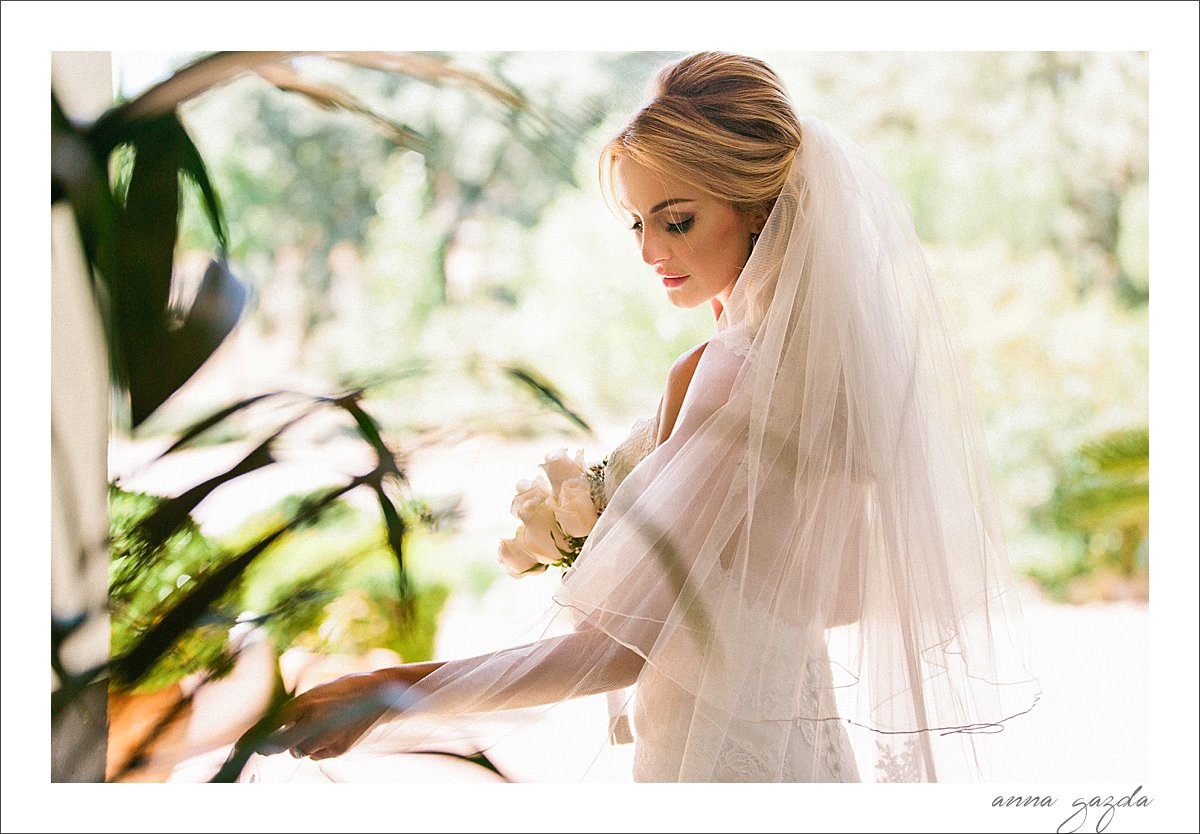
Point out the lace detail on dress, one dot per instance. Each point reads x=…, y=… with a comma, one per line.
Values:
x=680, y=740
x=783, y=728
x=809, y=705
x=628, y=454
x=897, y=765
x=737, y=339
x=738, y=762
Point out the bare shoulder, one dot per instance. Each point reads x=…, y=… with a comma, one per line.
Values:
x=685, y=366
x=678, y=380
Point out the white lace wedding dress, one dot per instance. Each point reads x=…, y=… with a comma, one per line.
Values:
x=672, y=727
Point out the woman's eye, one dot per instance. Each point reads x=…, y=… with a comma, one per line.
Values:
x=637, y=226
x=681, y=227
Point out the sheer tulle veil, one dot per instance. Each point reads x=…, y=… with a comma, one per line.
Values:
x=813, y=558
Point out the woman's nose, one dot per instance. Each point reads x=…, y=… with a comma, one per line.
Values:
x=654, y=249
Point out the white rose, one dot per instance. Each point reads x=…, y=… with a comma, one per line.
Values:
x=573, y=507
x=517, y=560
x=539, y=532
x=530, y=494
x=560, y=468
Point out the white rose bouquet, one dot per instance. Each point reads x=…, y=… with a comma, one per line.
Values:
x=557, y=511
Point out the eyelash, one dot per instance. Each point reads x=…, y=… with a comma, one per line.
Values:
x=679, y=228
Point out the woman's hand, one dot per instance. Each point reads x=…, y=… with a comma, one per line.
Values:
x=327, y=720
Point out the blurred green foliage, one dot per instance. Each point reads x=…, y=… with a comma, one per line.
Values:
x=177, y=596
x=362, y=607
x=1101, y=507
x=329, y=587
x=143, y=579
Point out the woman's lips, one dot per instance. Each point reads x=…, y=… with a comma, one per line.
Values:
x=670, y=281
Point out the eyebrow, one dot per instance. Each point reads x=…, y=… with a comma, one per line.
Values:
x=670, y=202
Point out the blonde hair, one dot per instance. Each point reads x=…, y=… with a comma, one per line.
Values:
x=719, y=121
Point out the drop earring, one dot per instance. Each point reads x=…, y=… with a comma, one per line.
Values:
x=753, y=240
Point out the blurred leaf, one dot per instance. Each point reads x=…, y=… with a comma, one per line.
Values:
x=546, y=392
x=433, y=69
x=368, y=428
x=172, y=513
x=144, y=582
x=145, y=249
x=193, y=166
x=299, y=606
x=253, y=738
x=479, y=759
x=199, y=427
x=154, y=359
x=386, y=465
x=410, y=629
x=331, y=98
x=1105, y=486
x=72, y=687
x=1124, y=451
x=396, y=532
x=1096, y=505
x=189, y=81
x=1102, y=496
x=60, y=631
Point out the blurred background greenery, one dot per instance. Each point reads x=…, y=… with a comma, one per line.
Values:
x=418, y=273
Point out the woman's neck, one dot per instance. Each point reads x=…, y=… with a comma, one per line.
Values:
x=718, y=309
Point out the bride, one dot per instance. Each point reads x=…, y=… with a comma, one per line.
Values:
x=803, y=576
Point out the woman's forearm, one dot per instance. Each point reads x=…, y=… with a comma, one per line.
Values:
x=584, y=662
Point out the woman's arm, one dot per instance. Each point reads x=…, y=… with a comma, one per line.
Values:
x=326, y=720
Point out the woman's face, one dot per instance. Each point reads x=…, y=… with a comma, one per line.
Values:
x=696, y=243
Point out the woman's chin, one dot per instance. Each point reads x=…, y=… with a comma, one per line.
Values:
x=683, y=300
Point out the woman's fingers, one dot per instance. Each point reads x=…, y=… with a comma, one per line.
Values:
x=325, y=721
x=316, y=730
x=289, y=726
x=285, y=738
x=339, y=741
x=294, y=709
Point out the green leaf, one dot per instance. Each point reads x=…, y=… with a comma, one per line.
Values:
x=250, y=741
x=1106, y=485
x=200, y=426
x=193, y=166
x=1123, y=451
x=173, y=513
x=545, y=392
x=397, y=530
x=140, y=282
x=368, y=428
x=479, y=759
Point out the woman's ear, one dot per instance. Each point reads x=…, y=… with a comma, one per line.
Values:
x=761, y=221
x=757, y=220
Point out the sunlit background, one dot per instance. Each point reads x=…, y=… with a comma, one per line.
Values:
x=420, y=275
